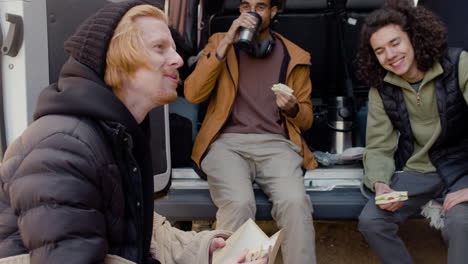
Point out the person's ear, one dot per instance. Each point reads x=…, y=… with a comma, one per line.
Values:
x=273, y=11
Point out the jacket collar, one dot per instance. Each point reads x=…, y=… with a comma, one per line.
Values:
x=435, y=71
x=297, y=54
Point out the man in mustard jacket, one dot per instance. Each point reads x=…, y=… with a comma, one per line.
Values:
x=252, y=134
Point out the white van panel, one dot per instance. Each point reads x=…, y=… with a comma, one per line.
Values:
x=26, y=74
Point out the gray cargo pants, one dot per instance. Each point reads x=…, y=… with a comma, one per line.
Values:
x=235, y=161
x=380, y=227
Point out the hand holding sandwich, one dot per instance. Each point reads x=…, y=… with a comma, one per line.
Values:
x=285, y=99
x=382, y=188
x=219, y=242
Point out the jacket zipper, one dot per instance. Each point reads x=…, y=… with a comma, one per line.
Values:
x=121, y=134
x=418, y=98
x=235, y=87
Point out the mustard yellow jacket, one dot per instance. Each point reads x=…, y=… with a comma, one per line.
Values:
x=218, y=81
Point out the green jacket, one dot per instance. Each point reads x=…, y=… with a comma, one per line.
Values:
x=382, y=137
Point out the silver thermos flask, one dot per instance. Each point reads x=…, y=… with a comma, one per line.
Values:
x=247, y=36
x=340, y=123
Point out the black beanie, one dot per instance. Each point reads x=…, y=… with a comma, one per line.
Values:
x=90, y=42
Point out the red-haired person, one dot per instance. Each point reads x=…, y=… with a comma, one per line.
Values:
x=77, y=185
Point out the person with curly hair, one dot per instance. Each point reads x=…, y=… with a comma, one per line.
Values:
x=416, y=129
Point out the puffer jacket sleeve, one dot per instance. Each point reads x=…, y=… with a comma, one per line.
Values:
x=54, y=190
x=171, y=245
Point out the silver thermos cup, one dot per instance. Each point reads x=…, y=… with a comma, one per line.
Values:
x=246, y=40
x=340, y=123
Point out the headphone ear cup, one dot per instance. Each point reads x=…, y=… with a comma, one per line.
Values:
x=264, y=48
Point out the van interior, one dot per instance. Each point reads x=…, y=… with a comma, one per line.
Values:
x=329, y=31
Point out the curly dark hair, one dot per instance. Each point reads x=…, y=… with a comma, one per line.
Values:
x=426, y=32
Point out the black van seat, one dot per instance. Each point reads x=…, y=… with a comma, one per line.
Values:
x=305, y=6
x=304, y=22
x=364, y=5
x=453, y=13
x=355, y=14
x=222, y=22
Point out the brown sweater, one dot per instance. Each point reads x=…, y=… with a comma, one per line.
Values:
x=255, y=110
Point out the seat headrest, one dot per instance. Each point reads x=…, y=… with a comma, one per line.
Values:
x=291, y=6
x=364, y=5
x=304, y=6
x=231, y=7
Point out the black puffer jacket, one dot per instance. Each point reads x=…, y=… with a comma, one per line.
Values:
x=77, y=184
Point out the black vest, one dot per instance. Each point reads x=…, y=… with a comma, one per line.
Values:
x=449, y=154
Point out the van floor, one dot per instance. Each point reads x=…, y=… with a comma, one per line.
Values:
x=339, y=242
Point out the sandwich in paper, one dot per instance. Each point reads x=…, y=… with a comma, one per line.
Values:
x=391, y=197
x=283, y=88
x=258, y=253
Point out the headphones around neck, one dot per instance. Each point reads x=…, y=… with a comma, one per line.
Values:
x=264, y=48
x=259, y=50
